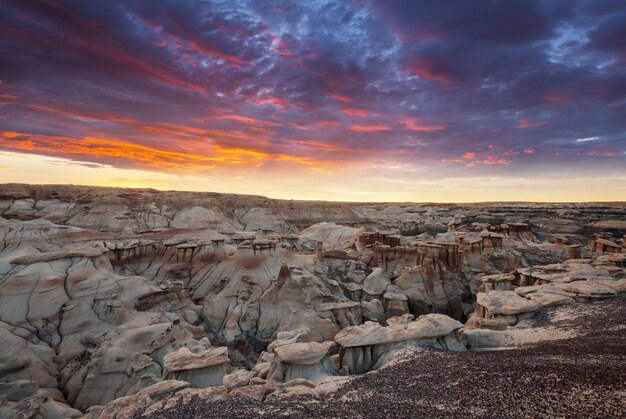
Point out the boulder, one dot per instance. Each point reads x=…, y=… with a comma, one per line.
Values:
x=505, y=303
x=203, y=368
x=403, y=328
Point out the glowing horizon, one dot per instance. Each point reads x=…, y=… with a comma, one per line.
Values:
x=396, y=101
x=447, y=190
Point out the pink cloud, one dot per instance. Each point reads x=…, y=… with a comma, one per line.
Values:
x=529, y=123
x=320, y=123
x=356, y=112
x=415, y=125
x=370, y=128
x=281, y=48
x=557, y=98
x=339, y=97
x=277, y=101
x=510, y=153
x=490, y=160
x=247, y=120
x=432, y=69
x=600, y=153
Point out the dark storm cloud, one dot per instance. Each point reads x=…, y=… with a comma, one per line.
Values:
x=460, y=86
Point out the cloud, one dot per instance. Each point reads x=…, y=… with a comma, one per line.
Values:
x=205, y=86
x=361, y=113
x=584, y=140
x=122, y=153
x=528, y=123
x=416, y=125
x=370, y=128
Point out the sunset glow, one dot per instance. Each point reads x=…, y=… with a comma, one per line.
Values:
x=359, y=101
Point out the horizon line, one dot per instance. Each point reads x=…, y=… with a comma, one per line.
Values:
x=617, y=202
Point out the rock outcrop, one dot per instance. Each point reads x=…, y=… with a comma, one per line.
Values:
x=363, y=346
x=117, y=302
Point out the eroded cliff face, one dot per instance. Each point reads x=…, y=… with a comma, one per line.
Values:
x=110, y=298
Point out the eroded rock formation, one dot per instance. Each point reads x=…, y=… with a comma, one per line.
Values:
x=117, y=300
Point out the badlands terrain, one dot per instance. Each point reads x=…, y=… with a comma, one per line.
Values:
x=118, y=303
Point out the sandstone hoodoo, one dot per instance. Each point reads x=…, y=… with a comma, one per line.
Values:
x=192, y=300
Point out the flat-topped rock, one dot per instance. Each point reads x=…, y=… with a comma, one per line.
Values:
x=183, y=359
x=303, y=353
x=392, y=292
x=506, y=303
x=91, y=250
x=498, y=278
x=490, y=234
x=353, y=286
x=616, y=259
x=198, y=237
x=337, y=306
x=547, y=295
x=399, y=329
x=588, y=289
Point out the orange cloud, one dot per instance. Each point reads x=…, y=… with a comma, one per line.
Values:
x=469, y=155
x=489, y=161
x=248, y=120
x=320, y=123
x=369, y=128
x=9, y=134
x=198, y=134
x=118, y=152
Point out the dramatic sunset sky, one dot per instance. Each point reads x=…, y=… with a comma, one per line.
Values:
x=339, y=100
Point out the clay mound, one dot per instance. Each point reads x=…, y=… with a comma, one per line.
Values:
x=331, y=235
x=180, y=303
x=570, y=380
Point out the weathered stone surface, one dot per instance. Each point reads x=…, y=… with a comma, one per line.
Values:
x=588, y=289
x=237, y=378
x=399, y=329
x=376, y=283
x=183, y=359
x=506, y=303
x=546, y=295
x=303, y=353
x=431, y=288
x=108, y=294
x=203, y=368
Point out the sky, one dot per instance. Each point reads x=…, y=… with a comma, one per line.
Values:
x=355, y=100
